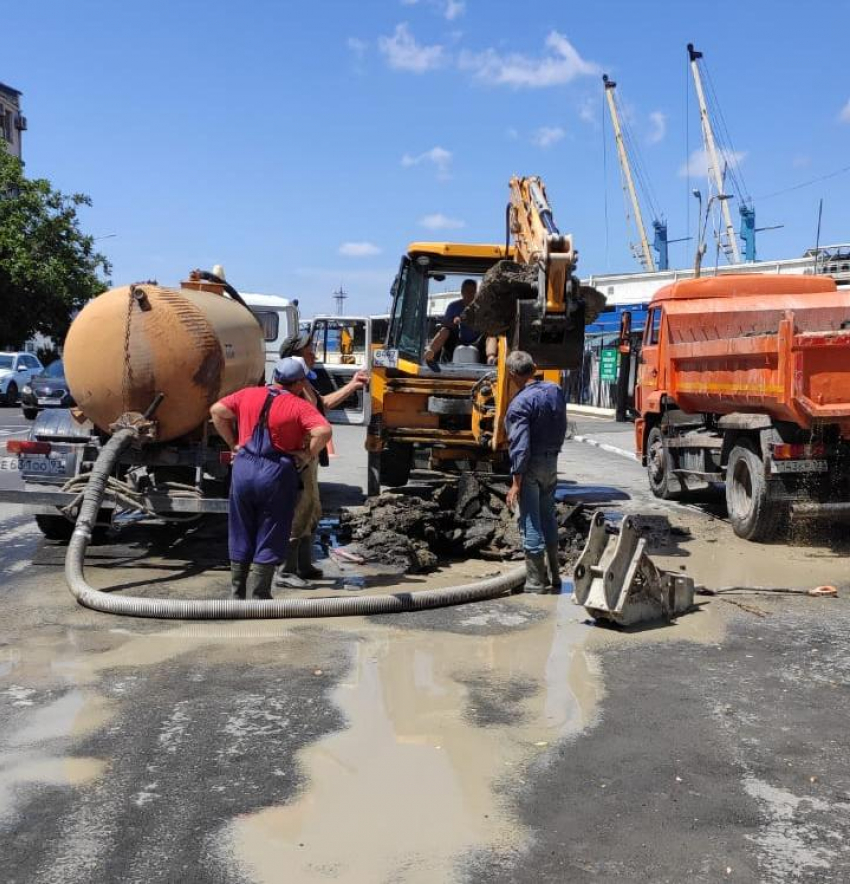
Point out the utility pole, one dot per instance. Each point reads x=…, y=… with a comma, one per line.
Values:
x=714, y=169
x=339, y=296
x=647, y=260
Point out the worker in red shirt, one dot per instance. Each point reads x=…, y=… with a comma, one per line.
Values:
x=273, y=432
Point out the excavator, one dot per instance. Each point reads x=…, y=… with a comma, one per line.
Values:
x=448, y=415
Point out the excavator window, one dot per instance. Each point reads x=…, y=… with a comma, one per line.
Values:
x=410, y=303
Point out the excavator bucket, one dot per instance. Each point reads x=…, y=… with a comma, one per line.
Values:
x=616, y=580
x=554, y=340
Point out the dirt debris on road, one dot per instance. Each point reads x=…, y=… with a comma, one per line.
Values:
x=416, y=528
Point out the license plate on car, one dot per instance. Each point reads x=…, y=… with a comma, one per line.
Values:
x=48, y=466
x=800, y=466
x=48, y=400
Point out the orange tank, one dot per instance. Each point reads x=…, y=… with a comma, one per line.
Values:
x=133, y=342
x=751, y=344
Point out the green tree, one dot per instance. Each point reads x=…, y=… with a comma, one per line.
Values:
x=48, y=266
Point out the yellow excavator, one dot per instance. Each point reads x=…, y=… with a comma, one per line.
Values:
x=448, y=415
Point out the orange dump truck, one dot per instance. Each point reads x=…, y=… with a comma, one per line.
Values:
x=745, y=380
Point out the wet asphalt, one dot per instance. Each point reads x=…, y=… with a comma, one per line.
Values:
x=721, y=758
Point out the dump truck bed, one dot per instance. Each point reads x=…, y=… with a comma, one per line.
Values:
x=762, y=346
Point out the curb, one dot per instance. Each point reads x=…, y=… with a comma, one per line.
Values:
x=604, y=446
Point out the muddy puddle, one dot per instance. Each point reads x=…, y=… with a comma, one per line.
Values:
x=437, y=721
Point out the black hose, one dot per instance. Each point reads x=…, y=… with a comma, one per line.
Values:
x=235, y=609
x=211, y=277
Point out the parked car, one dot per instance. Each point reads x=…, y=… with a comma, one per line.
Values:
x=16, y=371
x=47, y=390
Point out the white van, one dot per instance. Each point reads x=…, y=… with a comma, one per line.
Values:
x=279, y=318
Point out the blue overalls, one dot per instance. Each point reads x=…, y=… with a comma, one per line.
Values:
x=263, y=493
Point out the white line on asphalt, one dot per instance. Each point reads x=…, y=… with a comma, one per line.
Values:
x=604, y=446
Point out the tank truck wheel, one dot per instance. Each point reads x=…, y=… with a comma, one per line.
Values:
x=55, y=527
x=658, y=464
x=752, y=514
x=12, y=393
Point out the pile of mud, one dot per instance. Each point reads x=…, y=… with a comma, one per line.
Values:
x=494, y=309
x=416, y=528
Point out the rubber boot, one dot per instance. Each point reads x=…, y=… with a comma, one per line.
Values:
x=306, y=568
x=260, y=580
x=238, y=578
x=535, y=572
x=287, y=575
x=554, y=568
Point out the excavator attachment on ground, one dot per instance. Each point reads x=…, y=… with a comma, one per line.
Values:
x=615, y=579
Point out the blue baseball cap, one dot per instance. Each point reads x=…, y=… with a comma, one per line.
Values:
x=288, y=371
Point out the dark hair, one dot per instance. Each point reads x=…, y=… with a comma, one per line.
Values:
x=294, y=343
x=468, y=282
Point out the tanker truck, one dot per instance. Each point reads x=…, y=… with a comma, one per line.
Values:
x=745, y=380
x=131, y=349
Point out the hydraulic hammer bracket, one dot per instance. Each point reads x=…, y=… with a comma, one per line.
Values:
x=616, y=580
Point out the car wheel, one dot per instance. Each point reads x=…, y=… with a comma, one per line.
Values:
x=30, y=413
x=12, y=393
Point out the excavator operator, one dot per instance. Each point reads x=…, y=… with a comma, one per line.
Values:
x=453, y=331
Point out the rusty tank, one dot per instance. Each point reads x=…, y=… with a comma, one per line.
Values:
x=131, y=343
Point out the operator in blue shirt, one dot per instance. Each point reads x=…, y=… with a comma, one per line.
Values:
x=458, y=332
x=536, y=423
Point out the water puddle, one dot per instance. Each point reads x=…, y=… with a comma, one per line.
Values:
x=436, y=722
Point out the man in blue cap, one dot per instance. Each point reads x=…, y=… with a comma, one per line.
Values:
x=273, y=432
x=299, y=567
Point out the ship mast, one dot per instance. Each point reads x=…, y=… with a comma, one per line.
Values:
x=714, y=169
x=628, y=182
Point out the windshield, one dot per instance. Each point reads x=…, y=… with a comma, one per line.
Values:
x=5, y=360
x=54, y=370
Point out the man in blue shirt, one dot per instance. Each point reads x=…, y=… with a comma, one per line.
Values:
x=453, y=328
x=536, y=423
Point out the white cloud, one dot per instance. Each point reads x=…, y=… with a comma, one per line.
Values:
x=403, y=53
x=588, y=111
x=844, y=115
x=439, y=221
x=560, y=64
x=546, y=136
x=359, y=249
x=358, y=47
x=439, y=157
x=697, y=164
x=453, y=9
x=659, y=127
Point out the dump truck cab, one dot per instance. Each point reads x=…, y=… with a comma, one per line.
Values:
x=446, y=415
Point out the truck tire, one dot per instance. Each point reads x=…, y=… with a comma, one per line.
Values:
x=659, y=464
x=55, y=527
x=752, y=514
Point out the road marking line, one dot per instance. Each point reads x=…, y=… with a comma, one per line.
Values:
x=604, y=446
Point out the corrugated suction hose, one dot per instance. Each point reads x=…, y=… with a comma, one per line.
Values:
x=235, y=609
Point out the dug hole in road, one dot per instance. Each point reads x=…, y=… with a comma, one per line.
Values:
x=510, y=740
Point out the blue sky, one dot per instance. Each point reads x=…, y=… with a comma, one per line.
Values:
x=303, y=145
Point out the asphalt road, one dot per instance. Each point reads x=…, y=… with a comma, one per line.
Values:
x=507, y=741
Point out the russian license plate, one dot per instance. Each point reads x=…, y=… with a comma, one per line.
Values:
x=800, y=466
x=48, y=400
x=48, y=466
x=386, y=358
